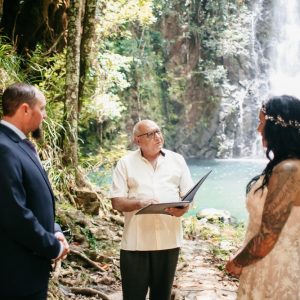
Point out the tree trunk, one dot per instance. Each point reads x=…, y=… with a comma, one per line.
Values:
x=88, y=43
x=1, y=8
x=70, y=144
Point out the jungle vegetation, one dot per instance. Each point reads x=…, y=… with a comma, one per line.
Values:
x=105, y=64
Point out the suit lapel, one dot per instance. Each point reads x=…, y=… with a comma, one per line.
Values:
x=36, y=161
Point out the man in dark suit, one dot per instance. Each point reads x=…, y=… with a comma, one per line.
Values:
x=30, y=239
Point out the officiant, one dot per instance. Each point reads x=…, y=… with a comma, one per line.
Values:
x=151, y=243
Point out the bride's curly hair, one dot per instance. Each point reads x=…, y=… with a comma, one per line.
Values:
x=281, y=132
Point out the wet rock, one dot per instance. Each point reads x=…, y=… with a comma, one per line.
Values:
x=213, y=215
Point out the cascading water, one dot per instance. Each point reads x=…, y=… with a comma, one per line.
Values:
x=258, y=84
x=271, y=68
x=275, y=53
x=247, y=143
x=284, y=57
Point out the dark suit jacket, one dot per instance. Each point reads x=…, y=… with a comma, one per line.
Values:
x=26, y=219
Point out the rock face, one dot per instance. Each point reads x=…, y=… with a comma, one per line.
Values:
x=88, y=201
x=221, y=76
x=197, y=121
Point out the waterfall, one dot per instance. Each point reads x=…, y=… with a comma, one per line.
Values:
x=274, y=59
x=255, y=89
x=274, y=69
x=239, y=110
x=284, y=57
x=275, y=52
x=259, y=85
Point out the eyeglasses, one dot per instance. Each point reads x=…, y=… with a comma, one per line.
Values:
x=150, y=135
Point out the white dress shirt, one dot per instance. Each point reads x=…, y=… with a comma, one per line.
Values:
x=134, y=177
x=14, y=129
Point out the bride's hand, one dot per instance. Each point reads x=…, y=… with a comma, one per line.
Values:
x=233, y=269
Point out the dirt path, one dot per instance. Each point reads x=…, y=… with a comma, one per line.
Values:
x=197, y=277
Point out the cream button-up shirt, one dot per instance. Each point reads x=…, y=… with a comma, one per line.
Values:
x=134, y=177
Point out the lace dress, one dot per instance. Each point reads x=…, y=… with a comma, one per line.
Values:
x=277, y=275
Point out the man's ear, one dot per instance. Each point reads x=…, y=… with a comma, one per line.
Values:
x=24, y=107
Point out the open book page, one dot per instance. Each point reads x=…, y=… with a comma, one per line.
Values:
x=186, y=199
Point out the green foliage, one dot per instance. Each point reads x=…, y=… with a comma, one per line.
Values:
x=101, y=104
x=224, y=244
x=99, y=167
x=132, y=74
x=49, y=73
x=10, y=63
x=213, y=75
x=222, y=30
x=104, y=103
x=224, y=238
x=147, y=95
x=216, y=232
x=236, y=36
x=93, y=244
x=158, y=87
x=118, y=14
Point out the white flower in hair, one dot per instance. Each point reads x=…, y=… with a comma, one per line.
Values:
x=278, y=120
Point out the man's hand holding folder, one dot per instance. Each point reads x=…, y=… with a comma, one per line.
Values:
x=177, y=211
x=174, y=208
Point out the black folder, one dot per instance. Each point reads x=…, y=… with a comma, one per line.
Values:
x=159, y=208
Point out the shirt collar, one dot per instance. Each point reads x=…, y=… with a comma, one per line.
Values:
x=162, y=152
x=14, y=129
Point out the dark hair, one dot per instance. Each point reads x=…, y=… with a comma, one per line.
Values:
x=281, y=132
x=16, y=94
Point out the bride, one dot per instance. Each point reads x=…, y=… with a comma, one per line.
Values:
x=268, y=262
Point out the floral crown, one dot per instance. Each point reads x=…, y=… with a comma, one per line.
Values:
x=278, y=120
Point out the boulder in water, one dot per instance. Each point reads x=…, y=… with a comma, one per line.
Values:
x=215, y=215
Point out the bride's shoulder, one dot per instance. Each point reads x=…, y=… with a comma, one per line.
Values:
x=288, y=165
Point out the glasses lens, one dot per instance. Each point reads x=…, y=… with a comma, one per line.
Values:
x=151, y=135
